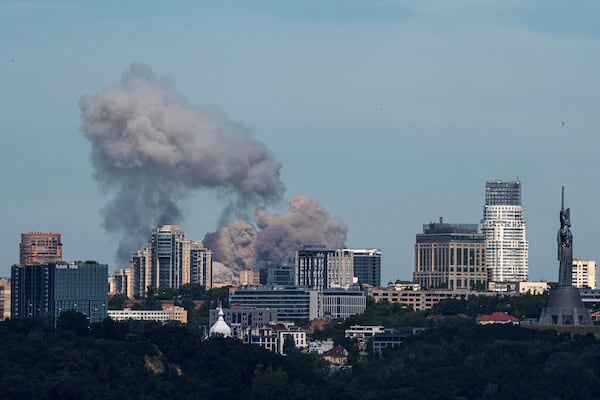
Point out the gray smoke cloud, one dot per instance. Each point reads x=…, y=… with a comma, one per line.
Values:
x=278, y=237
x=233, y=245
x=150, y=149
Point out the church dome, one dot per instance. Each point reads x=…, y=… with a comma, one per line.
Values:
x=220, y=327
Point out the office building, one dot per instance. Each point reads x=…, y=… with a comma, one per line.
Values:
x=40, y=248
x=367, y=266
x=48, y=289
x=294, y=303
x=81, y=287
x=450, y=256
x=291, y=302
x=503, y=226
x=31, y=290
x=282, y=275
x=341, y=303
x=320, y=268
x=584, y=274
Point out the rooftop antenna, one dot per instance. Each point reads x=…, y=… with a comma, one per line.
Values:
x=562, y=201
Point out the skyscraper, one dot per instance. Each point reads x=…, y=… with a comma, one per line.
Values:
x=165, y=256
x=40, y=248
x=450, y=256
x=503, y=226
x=170, y=260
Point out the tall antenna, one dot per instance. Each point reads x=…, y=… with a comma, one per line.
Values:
x=562, y=203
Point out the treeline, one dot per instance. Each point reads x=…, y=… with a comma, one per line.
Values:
x=454, y=359
x=461, y=360
x=123, y=361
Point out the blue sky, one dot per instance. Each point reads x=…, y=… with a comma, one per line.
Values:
x=391, y=113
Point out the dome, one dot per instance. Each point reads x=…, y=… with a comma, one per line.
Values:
x=220, y=327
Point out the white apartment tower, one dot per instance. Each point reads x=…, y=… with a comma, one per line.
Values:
x=584, y=273
x=505, y=232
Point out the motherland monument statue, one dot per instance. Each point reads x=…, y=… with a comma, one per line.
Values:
x=565, y=306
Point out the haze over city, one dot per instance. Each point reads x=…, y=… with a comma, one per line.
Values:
x=389, y=113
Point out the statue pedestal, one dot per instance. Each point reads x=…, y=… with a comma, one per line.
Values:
x=565, y=308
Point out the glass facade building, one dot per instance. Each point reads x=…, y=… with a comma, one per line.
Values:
x=49, y=289
x=367, y=266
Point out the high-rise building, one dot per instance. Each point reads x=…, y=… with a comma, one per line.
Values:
x=4, y=298
x=31, y=290
x=367, y=266
x=80, y=287
x=170, y=260
x=121, y=282
x=49, y=289
x=503, y=226
x=200, y=262
x=450, y=256
x=165, y=256
x=40, y=248
x=321, y=268
x=584, y=274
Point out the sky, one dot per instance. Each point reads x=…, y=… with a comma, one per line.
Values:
x=391, y=113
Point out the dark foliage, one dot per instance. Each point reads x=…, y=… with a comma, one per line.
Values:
x=455, y=359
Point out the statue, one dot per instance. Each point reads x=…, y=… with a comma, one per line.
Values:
x=565, y=306
x=565, y=245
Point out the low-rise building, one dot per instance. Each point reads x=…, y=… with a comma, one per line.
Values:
x=342, y=303
x=174, y=313
x=273, y=337
x=535, y=288
x=497, y=318
x=363, y=331
x=294, y=303
x=336, y=356
x=392, y=337
x=320, y=346
x=418, y=300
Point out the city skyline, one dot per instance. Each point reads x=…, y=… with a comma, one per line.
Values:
x=391, y=114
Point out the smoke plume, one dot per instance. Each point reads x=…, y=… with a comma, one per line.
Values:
x=150, y=149
x=238, y=246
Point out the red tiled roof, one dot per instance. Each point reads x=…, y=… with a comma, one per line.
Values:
x=497, y=316
x=336, y=352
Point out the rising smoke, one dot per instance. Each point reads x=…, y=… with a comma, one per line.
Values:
x=150, y=149
x=239, y=246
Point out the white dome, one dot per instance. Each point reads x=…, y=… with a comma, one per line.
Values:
x=220, y=327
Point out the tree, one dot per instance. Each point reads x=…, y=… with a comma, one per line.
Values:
x=73, y=321
x=117, y=301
